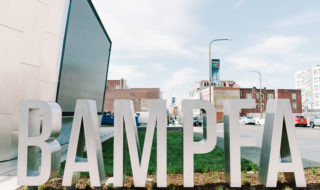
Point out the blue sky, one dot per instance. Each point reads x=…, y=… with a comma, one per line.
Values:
x=165, y=43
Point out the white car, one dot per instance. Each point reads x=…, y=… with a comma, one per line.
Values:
x=260, y=121
x=242, y=120
x=249, y=120
x=315, y=121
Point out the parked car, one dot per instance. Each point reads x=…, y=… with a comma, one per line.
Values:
x=249, y=120
x=196, y=121
x=143, y=117
x=300, y=121
x=315, y=121
x=242, y=120
x=108, y=119
x=260, y=121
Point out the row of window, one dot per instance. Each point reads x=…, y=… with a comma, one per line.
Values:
x=316, y=79
x=316, y=72
x=316, y=87
x=294, y=105
x=270, y=96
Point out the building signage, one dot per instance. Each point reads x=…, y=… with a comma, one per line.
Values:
x=215, y=67
x=278, y=134
x=215, y=63
x=173, y=101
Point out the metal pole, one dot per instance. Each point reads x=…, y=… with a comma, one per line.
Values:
x=210, y=44
x=260, y=92
x=260, y=97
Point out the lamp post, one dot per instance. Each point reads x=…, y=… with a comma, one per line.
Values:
x=260, y=92
x=210, y=69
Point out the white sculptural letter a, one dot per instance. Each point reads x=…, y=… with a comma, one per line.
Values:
x=279, y=141
x=85, y=131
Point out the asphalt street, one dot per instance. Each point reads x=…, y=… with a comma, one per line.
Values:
x=308, y=141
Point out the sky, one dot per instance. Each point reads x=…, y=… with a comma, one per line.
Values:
x=165, y=44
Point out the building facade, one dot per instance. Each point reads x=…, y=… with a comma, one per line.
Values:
x=198, y=87
x=49, y=51
x=231, y=90
x=308, y=81
x=218, y=94
x=141, y=97
x=226, y=90
x=293, y=95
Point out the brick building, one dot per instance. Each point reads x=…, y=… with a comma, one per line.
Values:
x=141, y=97
x=218, y=94
x=117, y=84
x=267, y=94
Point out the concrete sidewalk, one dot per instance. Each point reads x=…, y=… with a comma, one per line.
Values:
x=8, y=169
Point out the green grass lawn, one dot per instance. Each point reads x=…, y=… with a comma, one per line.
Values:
x=213, y=161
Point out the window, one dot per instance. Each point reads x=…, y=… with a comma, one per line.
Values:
x=240, y=93
x=270, y=96
x=294, y=96
x=257, y=96
x=262, y=105
x=257, y=105
x=294, y=106
x=262, y=96
x=205, y=84
x=248, y=96
x=117, y=87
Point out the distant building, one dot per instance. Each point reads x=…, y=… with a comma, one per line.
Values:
x=227, y=90
x=218, y=94
x=308, y=81
x=195, y=92
x=231, y=90
x=141, y=97
x=117, y=84
x=293, y=95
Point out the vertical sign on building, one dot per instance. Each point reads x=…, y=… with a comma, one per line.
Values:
x=215, y=67
x=173, y=101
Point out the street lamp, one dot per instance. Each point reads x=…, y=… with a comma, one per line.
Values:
x=210, y=69
x=260, y=92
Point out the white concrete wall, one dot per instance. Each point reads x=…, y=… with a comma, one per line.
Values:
x=31, y=40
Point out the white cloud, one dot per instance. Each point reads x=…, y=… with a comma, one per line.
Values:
x=272, y=55
x=248, y=83
x=306, y=18
x=147, y=27
x=179, y=78
x=177, y=85
x=276, y=45
x=238, y=3
x=128, y=72
x=158, y=67
x=256, y=63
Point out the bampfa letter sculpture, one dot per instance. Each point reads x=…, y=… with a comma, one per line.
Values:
x=232, y=140
x=124, y=118
x=280, y=150
x=34, y=136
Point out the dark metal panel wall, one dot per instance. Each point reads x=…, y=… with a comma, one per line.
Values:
x=85, y=59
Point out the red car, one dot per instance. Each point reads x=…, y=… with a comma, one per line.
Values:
x=300, y=121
